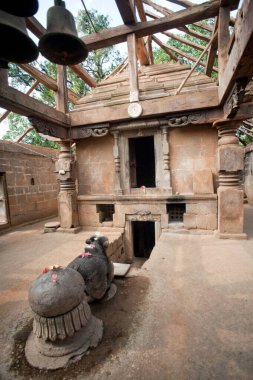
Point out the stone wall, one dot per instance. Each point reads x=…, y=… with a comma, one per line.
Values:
x=192, y=160
x=95, y=166
x=30, y=181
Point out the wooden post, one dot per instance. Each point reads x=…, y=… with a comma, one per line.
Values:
x=133, y=69
x=223, y=37
x=61, y=94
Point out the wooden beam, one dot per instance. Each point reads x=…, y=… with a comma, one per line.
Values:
x=30, y=90
x=133, y=69
x=182, y=28
x=240, y=61
x=126, y=10
x=188, y=4
x=141, y=11
x=223, y=37
x=118, y=34
x=165, y=11
x=61, y=94
x=201, y=99
x=212, y=51
x=195, y=65
x=16, y=101
x=47, y=81
x=127, y=13
x=166, y=48
x=84, y=75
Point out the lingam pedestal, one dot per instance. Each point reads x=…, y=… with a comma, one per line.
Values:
x=63, y=326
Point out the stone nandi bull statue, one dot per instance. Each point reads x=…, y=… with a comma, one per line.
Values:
x=96, y=268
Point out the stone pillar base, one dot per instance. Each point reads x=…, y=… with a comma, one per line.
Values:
x=67, y=203
x=230, y=211
x=219, y=235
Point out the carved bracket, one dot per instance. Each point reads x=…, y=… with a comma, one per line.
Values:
x=235, y=99
x=186, y=120
x=96, y=131
x=45, y=128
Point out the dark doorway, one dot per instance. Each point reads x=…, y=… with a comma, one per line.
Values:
x=142, y=161
x=143, y=238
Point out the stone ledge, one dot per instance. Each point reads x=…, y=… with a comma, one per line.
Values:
x=220, y=235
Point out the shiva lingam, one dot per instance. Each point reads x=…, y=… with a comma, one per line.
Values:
x=63, y=326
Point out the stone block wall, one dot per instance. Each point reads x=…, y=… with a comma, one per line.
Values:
x=31, y=184
x=201, y=215
x=192, y=159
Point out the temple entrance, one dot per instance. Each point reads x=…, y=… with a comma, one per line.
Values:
x=142, y=161
x=143, y=238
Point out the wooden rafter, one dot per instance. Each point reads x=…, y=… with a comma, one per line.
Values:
x=182, y=29
x=240, y=60
x=127, y=12
x=119, y=34
x=166, y=48
x=148, y=40
x=195, y=65
x=166, y=12
x=188, y=4
x=212, y=51
x=48, y=81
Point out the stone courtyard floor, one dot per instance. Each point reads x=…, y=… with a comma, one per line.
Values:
x=187, y=314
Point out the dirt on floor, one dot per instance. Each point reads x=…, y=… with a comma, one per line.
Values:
x=119, y=316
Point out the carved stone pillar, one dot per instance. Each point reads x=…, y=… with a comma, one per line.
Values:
x=230, y=193
x=116, y=155
x=166, y=158
x=67, y=198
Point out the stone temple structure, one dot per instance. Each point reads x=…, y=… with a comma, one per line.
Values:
x=63, y=326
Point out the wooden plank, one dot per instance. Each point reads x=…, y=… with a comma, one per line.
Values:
x=179, y=103
x=133, y=69
x=212, y=51
x=16, y=101
x=119, y=34
x=142, y=52
x=240, y=61
x=126, y=10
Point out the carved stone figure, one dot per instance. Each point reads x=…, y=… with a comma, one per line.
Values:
x=63, y=326
x=96, y=268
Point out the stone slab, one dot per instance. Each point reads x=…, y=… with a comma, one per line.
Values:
x=121, y=269
x=203, y=182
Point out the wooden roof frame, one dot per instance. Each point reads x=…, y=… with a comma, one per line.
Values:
x=235, y=54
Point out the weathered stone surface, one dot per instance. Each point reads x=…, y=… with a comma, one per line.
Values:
x=203, y=182
x=56, y=292
x=67, y=203
x=230, y=210
x=190, y=221
x=230, y=158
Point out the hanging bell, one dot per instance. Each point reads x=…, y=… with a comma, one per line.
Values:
x=18, y=47
x=60, y=44
x=20, y=8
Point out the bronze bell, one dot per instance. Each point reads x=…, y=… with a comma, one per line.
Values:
x=60, y=44
x=18, y=47
x=20, y=8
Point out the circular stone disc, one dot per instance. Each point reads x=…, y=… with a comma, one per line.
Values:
x=134, y=110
